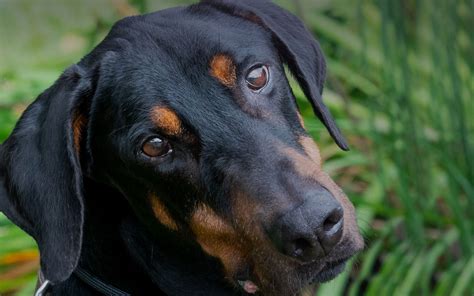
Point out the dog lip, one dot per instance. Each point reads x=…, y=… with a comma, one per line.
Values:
x=330, y=270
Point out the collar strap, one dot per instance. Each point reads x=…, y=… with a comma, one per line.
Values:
x=43, y=289
x=97, y=284
x=43, y=285
x=85, y=277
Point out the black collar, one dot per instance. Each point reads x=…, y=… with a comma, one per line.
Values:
x=87, y=278
x=97, y=284
x=43, y=285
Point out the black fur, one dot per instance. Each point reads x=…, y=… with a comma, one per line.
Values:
x=87, y=206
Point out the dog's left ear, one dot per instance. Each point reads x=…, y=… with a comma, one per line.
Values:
x=296, y=45
x=40, y=173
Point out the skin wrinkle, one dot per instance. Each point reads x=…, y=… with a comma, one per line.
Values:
x=162, y=213
x=223, y=69
x=167, y=120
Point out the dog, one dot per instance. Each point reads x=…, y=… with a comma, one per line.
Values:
x=172, y=160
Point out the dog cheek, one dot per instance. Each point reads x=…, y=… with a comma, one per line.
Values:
x=311, y=149
x=218, y=239
x=161, y=213
x=304, y=166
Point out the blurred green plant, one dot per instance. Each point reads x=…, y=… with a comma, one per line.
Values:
x=401, y=86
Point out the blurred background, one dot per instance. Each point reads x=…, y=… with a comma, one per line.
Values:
x=400, y=84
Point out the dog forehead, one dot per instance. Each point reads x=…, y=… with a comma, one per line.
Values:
x=165, y=59
x=205, y=21
x=166, y=53
x=188, y=33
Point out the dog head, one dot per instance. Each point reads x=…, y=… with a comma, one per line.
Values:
x=188, y=113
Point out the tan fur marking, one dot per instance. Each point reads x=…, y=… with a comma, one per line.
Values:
x=311, y=149
x=300, y=118
x=309, y=165
x=162, y=213
x=167, y=120
x=217, y=238
x=304, y=165
x=223, y=68
x=78, y=123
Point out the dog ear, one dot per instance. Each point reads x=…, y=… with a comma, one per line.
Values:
x=297, y=46
x=40, y=174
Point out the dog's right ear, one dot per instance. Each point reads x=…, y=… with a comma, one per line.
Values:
x=295, y=43
x=40, y=172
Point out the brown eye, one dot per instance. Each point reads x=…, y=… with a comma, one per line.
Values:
x=257, y=77
x=156, y=147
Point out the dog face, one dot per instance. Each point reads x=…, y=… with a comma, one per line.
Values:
x=189, y=114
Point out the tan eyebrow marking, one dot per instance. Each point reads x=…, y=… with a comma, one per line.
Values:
x=167, y=120
x=162, y=213
x=223, y=68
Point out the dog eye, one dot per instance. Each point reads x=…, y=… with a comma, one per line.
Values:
x=257, y=77
x=156, y=147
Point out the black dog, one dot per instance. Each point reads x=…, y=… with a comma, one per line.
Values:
x=172, y=160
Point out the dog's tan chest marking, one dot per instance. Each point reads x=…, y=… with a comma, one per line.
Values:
x=167, y=120
x=162, y=213
x=222, y=67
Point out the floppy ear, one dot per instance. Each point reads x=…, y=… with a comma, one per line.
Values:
x=40, y=174
x=296, y=45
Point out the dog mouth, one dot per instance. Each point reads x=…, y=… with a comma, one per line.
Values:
x=323, y=273
x=329, y=271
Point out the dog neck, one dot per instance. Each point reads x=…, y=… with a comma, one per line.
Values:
x=119, y=250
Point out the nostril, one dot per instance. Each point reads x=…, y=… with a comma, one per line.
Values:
x=299, y=247
x=334, y=221
x=302, y=249
x=331, y=231
x=309, y=231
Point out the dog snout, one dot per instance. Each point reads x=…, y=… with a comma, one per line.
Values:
x=312, y=229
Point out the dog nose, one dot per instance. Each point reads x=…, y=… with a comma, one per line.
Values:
x=311, y=230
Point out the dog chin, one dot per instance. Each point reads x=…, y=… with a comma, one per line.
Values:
x=329, y=271
x=309, y=274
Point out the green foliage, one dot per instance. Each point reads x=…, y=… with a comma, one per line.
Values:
x=401, y=87
x=407, y=68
